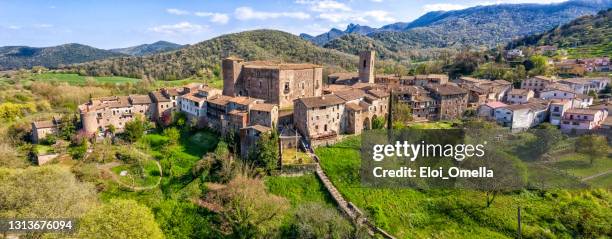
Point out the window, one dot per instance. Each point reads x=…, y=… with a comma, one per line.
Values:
x=364, y=63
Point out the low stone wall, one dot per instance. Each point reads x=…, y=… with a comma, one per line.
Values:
x=43, y=159
x=298, y=168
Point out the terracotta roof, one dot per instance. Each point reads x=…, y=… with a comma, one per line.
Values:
x=109, y=102
x=44, y=124
x=353, y=106
x=140, y=99
x=351, y=94
x=220, y=100
x=344, y=75
x=544, y=78
x=260, y=128
x=159, y=97
x=336, y=87
x=495, y=104
x=238, y=112
x=263, y=107
x=519, y=92
x=320, y=101
x=194, y=96
x=583, y=111
x=448, y=90
x=243, y=100
x=378, y=93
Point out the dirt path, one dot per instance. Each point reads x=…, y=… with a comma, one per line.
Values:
x=596, y=175
x=107, y=169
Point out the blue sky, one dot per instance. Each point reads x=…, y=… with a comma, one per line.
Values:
x=114, y=23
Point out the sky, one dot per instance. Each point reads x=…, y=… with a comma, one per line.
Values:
x=110, y=24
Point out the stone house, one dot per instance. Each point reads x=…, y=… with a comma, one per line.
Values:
x=431, y=79
x=586, y=84
x=522, y=116
x=422, y=105
x=537, y=83
x=264, y=114
x=41, y=129
x=487, y=110
x=578, y=100
x=98, y=114
x=450, y=101
x=581, y=120
x=249, y=137
x=193, y=104
x=319, y=117
x=519, y=96
x=558, y=107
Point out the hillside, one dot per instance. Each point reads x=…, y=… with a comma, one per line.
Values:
x=15, y=57
x=476, y=26
x=591, y=34
x=148, y=49
x=354, y=43
x=204, y=57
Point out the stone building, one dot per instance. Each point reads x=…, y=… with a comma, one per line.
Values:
x=344, y=112
x=522, y=116
x=431, y=79
x=450, y=101
x=366, y=66
x=537, y=83
x=275, y=83
x=581, y=120
x=41, y=129
x=264, y=114
x=98, y=114
x=519, y=96
x=193, y=104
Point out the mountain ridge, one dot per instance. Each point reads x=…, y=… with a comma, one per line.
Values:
x=16, y=57
x=148, y=49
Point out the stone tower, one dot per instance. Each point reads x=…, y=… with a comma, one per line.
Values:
x=366, y=66
x=231, y=68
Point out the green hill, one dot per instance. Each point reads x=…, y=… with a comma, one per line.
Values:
x=586, y=36
x=149, y=49
x=15, y=57
x=354, y=43
x=205, y=57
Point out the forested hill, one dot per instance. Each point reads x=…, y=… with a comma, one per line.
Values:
x=204, y=57
x=592, y=33
x=476, y=26
x=354, y=43
x=15, y=57
x=149, y=49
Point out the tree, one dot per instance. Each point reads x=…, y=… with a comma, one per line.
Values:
x=119, y=219
x=314, y=220
x=183, y=220
x=248, y=208
x=67, y=126
x=266, y=154
x=43, y=192
x=173, y=135
x=594, y=146
x=135, y=129
x=378, y=123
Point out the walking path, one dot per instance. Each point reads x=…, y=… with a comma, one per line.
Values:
x=347, y=207
x=596, y=175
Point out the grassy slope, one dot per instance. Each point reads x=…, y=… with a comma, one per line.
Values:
x=75, y=79
x=409, y=213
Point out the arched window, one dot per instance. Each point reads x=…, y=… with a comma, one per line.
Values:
x=364, y=63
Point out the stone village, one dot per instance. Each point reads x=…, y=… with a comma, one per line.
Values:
x=259, y=96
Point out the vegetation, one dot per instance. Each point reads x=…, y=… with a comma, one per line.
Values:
x=17, y=57
x=120, y=219
x=148, y=49
x=586, y=36
x=201, y=59
x=443, y=213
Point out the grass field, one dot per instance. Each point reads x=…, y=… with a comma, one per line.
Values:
x=144, y=175
x=292, y=156
x=410, y=213
x=580, y=166
x=299, y=190
x=598, y=50
x=432, y=125
x=75, y=79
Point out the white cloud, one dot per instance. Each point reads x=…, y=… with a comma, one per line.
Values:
x=376, y=0
x=357, y=17
x=43, y=25
x=214, y=17
x=175, y=11
x=181, y=27
x=442, y=7
x=13, y=27
x=247, y=13
x=379, y=16
x=324, y=5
